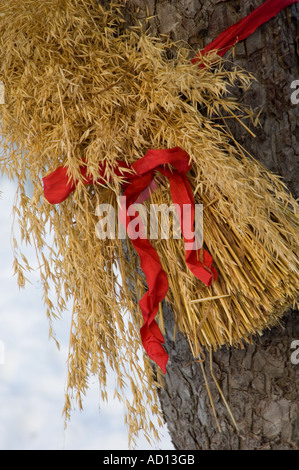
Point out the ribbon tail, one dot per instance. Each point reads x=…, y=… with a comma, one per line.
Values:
x=58, y=185
x=156, y=278
x=244, y=28
x=198, y=260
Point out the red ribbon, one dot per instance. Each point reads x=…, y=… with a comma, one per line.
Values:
x=58, y=186
x=199, y=261
x=244, y=28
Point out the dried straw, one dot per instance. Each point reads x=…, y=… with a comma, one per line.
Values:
x=78, y=85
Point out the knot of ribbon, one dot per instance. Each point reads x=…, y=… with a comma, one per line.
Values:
x=58, y=186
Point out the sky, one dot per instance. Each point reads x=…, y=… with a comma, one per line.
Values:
x=33, y=370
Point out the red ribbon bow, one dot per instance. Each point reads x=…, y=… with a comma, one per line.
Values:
x=58, y=186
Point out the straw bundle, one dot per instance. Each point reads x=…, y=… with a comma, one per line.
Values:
x=81, y=88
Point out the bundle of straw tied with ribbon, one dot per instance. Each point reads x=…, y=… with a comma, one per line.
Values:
x=97, y=115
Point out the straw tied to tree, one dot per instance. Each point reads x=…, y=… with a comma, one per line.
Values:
x=93, y=111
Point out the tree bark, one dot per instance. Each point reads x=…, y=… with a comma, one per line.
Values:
x=260, y=382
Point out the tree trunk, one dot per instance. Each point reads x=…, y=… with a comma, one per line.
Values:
x=260, y=382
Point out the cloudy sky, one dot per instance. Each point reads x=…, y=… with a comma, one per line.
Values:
x=33, y=371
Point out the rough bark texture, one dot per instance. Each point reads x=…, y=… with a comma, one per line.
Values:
x=260, y=382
